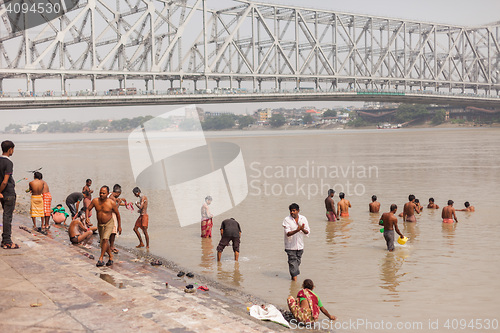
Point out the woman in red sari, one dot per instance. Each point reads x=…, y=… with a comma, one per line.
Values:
x=206, y=219
x=305, y=308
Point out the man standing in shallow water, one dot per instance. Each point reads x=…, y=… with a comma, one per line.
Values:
x=295, y=227
x=343, y=206
x=409, y=210
x=448, y=213
x=390, y=222
x=330, y=206
x=374, y=205
x=105, y=208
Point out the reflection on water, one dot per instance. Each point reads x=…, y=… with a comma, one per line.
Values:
x=449, y=231
x=207, y=254
x=229, y=271
x=410, y=230
x=390, y=275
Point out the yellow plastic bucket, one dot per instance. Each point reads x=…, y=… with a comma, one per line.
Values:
x=402, y=241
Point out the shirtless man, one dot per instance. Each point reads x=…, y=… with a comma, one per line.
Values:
x=343, y=206
x=330, y=206
x=36, y=189
x=143, y=219
x=374, y=205
x=47, y=203
x=87, y=193
x=104, y=208
x=468, y=208
x=448, y=213
x=77, y=231
x=419, y=206
x=117, y=191
x=390, y=223
x=409, y=210
x=431, y=204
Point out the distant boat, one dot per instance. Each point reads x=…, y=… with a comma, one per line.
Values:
x=389, y=126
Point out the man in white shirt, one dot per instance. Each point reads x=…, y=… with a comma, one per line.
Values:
x=295, y=227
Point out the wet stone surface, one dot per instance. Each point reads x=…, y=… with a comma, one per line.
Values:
x=50, y=285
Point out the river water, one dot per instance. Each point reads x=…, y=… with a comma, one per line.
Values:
x=445, y=276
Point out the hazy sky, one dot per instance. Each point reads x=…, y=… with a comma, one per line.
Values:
x=455, y=12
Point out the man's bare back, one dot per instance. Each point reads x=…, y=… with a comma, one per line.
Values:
x=343, y=207
x=389, y=221
x=448, y=213
x=36, y=187
x=374, y=207
x=409, y=211
x=45, y=187
x=76, y=227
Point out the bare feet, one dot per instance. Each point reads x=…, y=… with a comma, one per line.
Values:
x=140, y=245
x=114, y=250
x=294, y=278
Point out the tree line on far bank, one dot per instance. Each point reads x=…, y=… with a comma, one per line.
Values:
x=406, y=113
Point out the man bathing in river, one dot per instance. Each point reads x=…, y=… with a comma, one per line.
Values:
x=295, y=227
x=105, y=208
x=468, y=208
x=448, y=213
x=431, y=204
x=374, y=205
x=390, y=223
x=330, y=206
x=409, y=210
x=143, y=219
x=77, y=231
x=343, y=206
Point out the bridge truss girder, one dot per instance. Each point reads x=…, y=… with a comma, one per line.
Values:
x=251, y=44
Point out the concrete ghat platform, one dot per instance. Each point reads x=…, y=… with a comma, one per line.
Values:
x=49, y=285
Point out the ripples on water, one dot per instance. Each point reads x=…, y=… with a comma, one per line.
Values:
x=444, y=271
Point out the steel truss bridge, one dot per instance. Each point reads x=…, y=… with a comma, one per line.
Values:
x=261, y=52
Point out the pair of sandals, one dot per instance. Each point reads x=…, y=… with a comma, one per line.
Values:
x=100, y=263
x=181, y=274
x=9, y=246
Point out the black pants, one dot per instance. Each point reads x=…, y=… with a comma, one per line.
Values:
x=8, y=204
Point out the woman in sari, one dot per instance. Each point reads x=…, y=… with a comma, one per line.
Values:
x=206, y=219
x=305, y=308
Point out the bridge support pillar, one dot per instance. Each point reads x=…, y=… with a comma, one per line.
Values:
x=33, y=86
x=63, y=85
x=1, y=85
x=94, y=84
x=154, y=83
